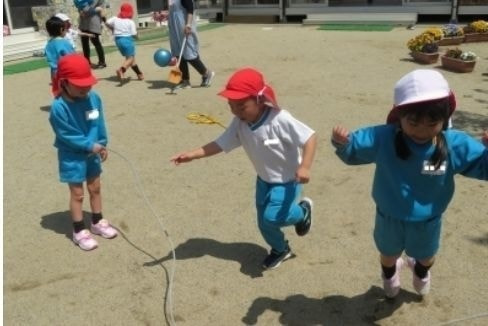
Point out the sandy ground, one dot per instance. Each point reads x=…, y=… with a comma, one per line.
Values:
x=323, y=78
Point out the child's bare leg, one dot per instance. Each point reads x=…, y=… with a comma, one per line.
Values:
x=81, y=236
x=99, y=226
x=125, y=65
x=76, y=201
x=128, y=62
x=388, y=261
x=94, y=190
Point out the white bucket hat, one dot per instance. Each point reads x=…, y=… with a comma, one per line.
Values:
x=418, y=86
x=62, y=16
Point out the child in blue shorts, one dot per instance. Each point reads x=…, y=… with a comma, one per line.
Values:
x=124, y=30
x=77, y=119
x=416, y=157
x=57, y=46
x=281, y=149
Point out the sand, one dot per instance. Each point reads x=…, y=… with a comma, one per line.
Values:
x=324, y=78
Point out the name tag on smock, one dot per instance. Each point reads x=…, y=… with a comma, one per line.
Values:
x=429, y=168
x=92, y=114
x=274, y=141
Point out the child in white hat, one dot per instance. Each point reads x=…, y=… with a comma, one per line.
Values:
x=71, y=32
x=416, y=158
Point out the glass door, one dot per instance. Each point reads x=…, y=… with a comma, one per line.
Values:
x=20, y=13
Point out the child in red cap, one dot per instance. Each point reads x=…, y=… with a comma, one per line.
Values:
x=416, y=157
x=77, y=119
x=280, y=147
x=125, y=31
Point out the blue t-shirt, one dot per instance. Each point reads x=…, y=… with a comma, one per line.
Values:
x=78, y=125
x=56, y=48
x=412, y=189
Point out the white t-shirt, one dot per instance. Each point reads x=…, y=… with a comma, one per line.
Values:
x=71, y=35
x=273, y=144
x=122, y=26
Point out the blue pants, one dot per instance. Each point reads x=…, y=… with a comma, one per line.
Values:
x=277, y=206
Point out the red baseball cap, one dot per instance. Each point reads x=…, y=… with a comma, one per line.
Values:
x=126, y=10
x=248, y=82
x=76, y=70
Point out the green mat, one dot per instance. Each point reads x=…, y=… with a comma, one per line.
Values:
x=357, y=27
x=145, y=37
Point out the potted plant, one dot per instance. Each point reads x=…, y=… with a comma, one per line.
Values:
x=458, y=60
x=424, y=48
x=452, y=34
x=476, y=31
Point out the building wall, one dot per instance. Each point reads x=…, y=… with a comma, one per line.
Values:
x=42, y=13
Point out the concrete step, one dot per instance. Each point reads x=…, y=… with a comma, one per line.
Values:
x=244, y=19
x=20, y=46
x=361, y=18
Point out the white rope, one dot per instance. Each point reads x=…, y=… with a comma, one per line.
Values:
x=169, y=302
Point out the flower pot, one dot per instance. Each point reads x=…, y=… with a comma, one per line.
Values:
x=425, y=58
x=476, y=37
x=457, y=65
x=454, y=40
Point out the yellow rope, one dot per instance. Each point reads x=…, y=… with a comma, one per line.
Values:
x=201, y=118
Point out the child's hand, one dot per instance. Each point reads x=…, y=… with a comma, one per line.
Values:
x=90, y=35
x=101, y=150
x=484, y=138
x=103, y=154
x=340, y=135
x=302, y=175
x=181, y=158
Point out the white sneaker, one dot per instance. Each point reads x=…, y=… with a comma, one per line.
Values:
x=421, y=285
x=392, y=285
x=84, y=240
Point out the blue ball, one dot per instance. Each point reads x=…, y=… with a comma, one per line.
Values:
x=162, y=57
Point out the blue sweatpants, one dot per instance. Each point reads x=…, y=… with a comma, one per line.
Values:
x=277, y=206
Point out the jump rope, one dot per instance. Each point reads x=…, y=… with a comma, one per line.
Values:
x=201, y=118
x=193, y=117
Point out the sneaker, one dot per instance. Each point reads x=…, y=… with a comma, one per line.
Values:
x=120, y=74
x=184, y=84
x=392, y=285
x=140, y=77
x=207, y=79
x=84, y=240
x=104, y=229
x=303, y=227
x=421, y=285
x=274, y=259
x=100, y=65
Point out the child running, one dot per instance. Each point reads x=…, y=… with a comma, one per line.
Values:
x=57, y=46
x=416, y=159
x=78, y=122
x=125, y=31
x=280, y=147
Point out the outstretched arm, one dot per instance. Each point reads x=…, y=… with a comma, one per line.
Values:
x=204, y=151
x=303, y=171
x=340, y=135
